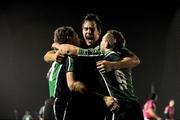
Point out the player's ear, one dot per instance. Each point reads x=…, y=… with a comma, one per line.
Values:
x=106, y=44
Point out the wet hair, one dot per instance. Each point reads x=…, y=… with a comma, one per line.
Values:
x=62, y=34
x=93, y=17
x=119, y=38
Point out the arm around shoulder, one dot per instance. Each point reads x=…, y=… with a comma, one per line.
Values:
x=129, y=61
x=50, y=56
x=66, y=49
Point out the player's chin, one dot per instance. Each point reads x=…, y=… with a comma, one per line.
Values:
x=90, y=43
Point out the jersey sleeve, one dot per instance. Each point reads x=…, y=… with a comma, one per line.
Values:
x=90, y=52
x=69, y=64
x=148, y=105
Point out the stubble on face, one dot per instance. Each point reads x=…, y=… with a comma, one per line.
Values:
x=90, y=32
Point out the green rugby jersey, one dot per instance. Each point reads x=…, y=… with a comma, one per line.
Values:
x=119, y=82
x=57, y=81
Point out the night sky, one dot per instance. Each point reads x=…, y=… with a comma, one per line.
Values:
x=26, y=33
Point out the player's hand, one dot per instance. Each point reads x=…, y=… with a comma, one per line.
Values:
x=104, y=66
x=55, y=45
x=59, y=57
x=111, y=103
x=78, y=87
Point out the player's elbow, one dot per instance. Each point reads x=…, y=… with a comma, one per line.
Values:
x=136, y=61
x=46, y=59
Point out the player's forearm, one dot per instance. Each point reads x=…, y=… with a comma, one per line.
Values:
x=70, y=50
x=49, y=57
x=127, y=62
x=66, y=49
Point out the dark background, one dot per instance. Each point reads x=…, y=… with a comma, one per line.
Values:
x=152, y=31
